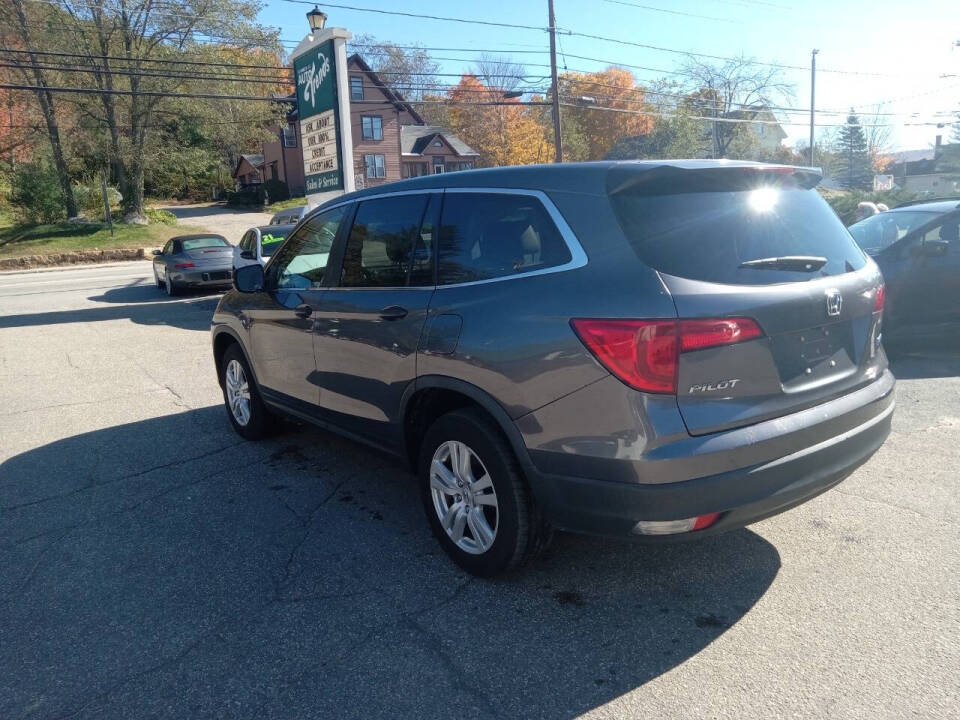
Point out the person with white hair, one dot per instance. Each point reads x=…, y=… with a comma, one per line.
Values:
x=866, y=209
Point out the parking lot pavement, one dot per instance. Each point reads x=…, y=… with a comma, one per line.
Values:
x=152, y=564
x=232, y=223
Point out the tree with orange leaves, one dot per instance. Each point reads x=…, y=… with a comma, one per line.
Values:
x=507, y=133
x=584, y=94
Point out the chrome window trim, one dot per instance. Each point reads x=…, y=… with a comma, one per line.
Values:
x=578, y=258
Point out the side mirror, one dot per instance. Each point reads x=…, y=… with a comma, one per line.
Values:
x=158, y=252
x=247, y=255
x=249, y=278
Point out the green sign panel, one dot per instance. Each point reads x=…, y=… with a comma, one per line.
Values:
x=319, y=116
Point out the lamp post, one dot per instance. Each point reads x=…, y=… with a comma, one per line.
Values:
x=317, y=19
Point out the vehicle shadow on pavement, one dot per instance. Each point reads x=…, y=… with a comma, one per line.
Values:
x=930, y=363
x=143, y=304
x=167, y=568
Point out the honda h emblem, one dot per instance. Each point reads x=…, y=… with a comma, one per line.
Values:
x=834, y=302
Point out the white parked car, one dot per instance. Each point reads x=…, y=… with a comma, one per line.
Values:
x=259, y=244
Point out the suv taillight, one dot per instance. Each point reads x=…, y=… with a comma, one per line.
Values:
x=644, y=353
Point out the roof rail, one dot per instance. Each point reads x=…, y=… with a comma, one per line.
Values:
x=924, y=201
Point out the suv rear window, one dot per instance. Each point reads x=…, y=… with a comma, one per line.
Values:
x=704, y=229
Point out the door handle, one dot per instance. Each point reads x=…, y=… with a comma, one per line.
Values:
x=303, y=311
x=394, y=312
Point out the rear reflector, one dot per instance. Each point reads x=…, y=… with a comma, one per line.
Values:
x=700, y=334
x=644, y=353
x=183, y=266
x=673, y=527
x=880, y=298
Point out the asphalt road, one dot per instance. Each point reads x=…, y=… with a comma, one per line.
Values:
x=152, y=564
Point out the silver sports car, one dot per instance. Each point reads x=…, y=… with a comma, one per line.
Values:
x=193, y=261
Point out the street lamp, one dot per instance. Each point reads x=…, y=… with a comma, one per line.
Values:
x=317, y=19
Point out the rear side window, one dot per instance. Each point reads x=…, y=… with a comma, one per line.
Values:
x=380, y=249
x=490, y=235
x=707, y=235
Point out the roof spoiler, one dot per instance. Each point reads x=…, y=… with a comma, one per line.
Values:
x=673, y=179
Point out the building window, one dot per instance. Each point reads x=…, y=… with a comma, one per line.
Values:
x=356, y=88
x=438, y=143
x=290, y=136
x=372, y=127
x=375, y=166
x=438, y=166
x=273, y=171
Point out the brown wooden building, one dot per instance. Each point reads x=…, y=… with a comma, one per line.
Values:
x=390, y=140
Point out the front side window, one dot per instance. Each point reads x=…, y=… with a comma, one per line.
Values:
x=300, y=263
x=376, y=168
x=372, y=126
x=356, y=88
x=878, y=232
x=491, y=235
x=381, y=245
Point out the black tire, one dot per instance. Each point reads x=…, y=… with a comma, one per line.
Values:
x=170, y=286
x=522, y=532
x=260, y=422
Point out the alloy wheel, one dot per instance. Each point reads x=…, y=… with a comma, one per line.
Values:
x=464, y=497
x=238, y=392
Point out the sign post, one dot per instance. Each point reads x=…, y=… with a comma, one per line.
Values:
x=323, y=110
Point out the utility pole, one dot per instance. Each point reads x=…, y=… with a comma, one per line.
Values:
x=813, y=80
x=555, y=87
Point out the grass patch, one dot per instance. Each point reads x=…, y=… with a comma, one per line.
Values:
x=284, y=204
x=17, y=240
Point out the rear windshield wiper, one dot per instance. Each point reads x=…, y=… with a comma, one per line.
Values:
x=801, y=263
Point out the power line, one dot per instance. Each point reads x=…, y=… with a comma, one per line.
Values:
x=670, y=12
x=165, y=61
x=143, y=93
x=420, y=15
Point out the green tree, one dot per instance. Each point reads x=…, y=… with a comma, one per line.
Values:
x=855, y=169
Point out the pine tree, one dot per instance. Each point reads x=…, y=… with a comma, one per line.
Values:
x=854, y=170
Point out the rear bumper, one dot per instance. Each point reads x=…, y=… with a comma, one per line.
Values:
x=208, y=277
x=743, y=494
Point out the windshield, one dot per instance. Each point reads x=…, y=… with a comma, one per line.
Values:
x=271, y=241
x=709, y=235
x=879, y=232
x=204, y=242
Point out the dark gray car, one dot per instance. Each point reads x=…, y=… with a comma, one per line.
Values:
x=661, y=350
x=193, y=261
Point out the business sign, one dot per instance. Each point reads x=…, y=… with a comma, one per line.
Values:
x=319, y=118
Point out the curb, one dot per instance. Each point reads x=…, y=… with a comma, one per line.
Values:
x=71, y=258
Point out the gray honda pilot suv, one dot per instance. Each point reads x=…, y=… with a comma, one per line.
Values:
x=661, y=350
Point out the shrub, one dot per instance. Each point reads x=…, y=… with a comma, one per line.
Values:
x=251, y=197
x=161, y=217
x=36, y=193
x=845, y=203
x=276, y=190
x=90, y=198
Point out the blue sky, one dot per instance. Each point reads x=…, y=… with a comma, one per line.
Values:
x=910, y=44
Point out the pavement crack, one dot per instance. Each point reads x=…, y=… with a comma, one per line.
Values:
x=122, y=478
